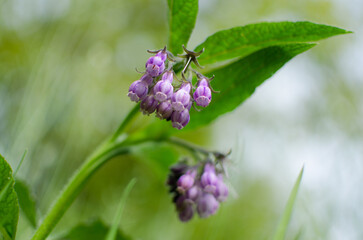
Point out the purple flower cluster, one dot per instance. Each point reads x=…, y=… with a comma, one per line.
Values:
x=157, y=94
x=193, y=192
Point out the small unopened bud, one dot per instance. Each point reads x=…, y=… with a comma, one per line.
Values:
x=207, y=205
x=221, y=192
x=180, y=119
x=181, y=98
x=185, y=209
x=192, y=193
x=164, y=110
x=209, y=179
x=138, y=91
x=186, y=181
x=163, y=89
x=155, y=65
x=148, y=105
x=162, y=54
x=203, y=95
x=146, y=78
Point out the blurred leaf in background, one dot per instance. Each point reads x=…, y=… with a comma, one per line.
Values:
x=92, y=230
x=26, y=201
x=9, y=208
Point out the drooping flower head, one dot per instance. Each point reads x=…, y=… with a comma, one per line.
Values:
x=157, y=83
x=197, y=191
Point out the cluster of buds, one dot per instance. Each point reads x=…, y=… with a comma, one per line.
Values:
x=156, y=92
x=196, y=190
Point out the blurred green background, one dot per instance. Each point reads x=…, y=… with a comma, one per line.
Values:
x=65, y=67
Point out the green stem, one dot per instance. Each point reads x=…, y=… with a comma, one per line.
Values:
x=187, y=145
x=102, y=154
x=124, y=123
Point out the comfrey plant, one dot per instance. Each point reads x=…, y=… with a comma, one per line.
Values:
x=238, y=59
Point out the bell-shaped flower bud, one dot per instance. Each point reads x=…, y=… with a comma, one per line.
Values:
x=207, y=205
x=209, y=179
x=164, y=110
x=163, y=89
x=138, y=90
x=162, y=54
x=203, y=95
x=176, y=171
x=180, y=119
x=184, y=208
x=147, y=79
x=155, y=65
x=148, y=105
x=186, y=181
x=221, y=192
x=181, y=98
x=193, y=193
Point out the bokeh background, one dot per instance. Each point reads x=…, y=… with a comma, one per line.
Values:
x=65, y=67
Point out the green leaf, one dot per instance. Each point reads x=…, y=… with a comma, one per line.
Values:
x=93, y=230
x=112, y=233
x=284, y=222
x=241, y=41
x=237, y=81
x=182, y=17
x=26, y=201
x=9, y=208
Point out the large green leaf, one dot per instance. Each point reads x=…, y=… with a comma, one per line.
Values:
x=237, y=81
x=182, y=17
x=26, y=201
x=282, y=228
x=241, y=41
x=9, y=208
x=93, y=230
